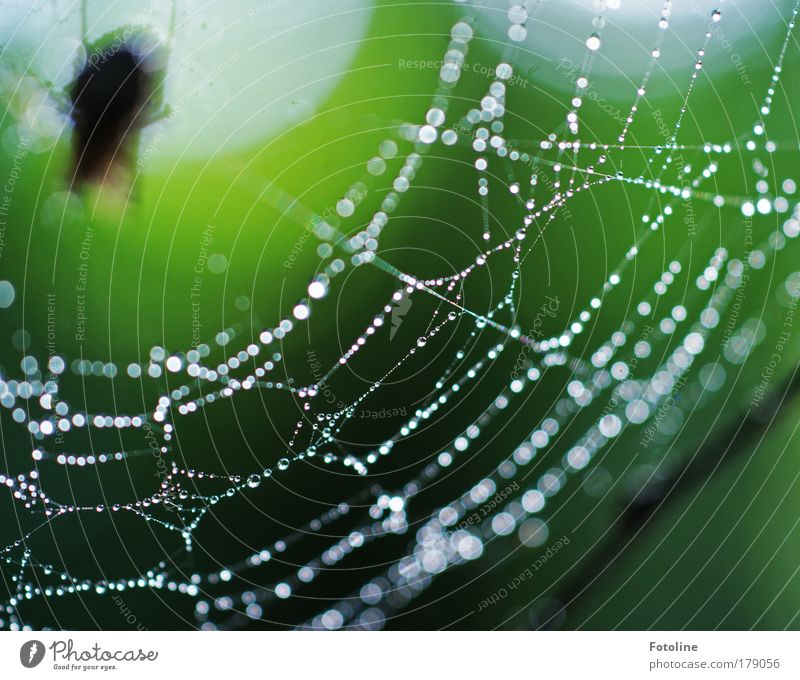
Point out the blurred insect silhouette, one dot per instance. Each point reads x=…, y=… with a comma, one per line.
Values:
x=116, y=93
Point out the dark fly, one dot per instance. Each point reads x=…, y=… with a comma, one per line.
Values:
x=110, y=100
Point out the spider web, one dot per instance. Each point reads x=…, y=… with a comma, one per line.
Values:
x=543, y=176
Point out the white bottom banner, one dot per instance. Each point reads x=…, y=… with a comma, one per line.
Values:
x=395, y=655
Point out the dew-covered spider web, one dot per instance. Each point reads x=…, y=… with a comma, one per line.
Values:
x=681, y=351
